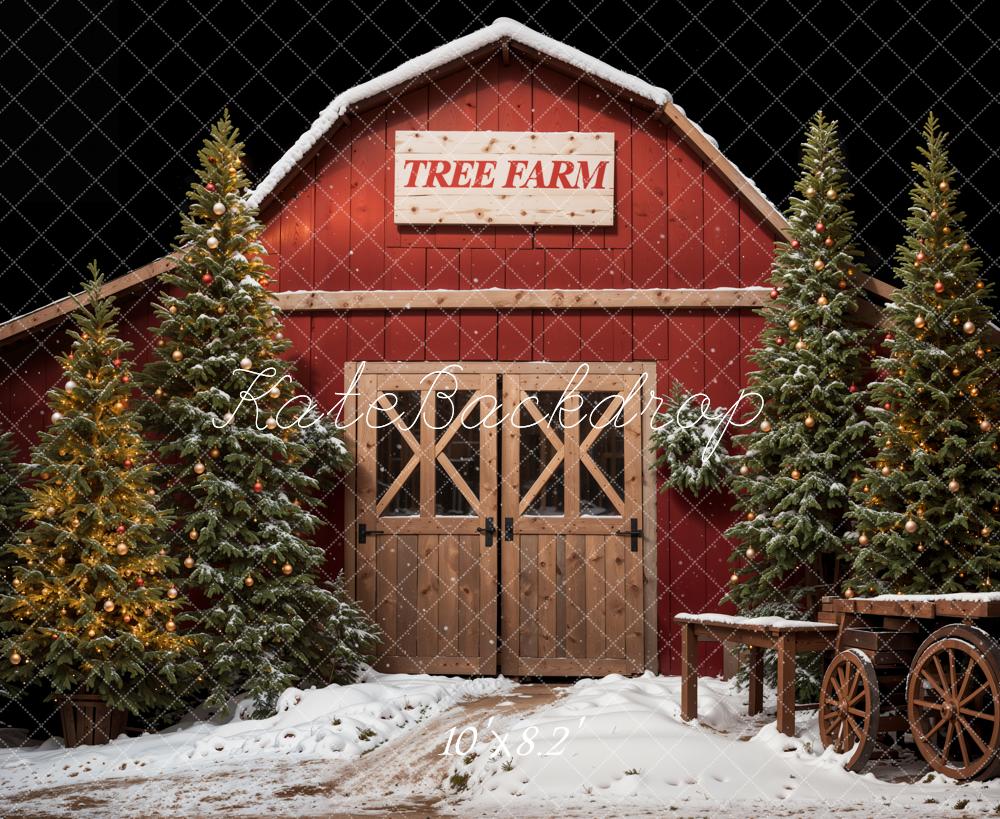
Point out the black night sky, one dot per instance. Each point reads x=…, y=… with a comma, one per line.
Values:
x=104, y=104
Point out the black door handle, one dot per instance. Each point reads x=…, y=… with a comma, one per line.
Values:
x=489, y=530
x=364, y=531
x=508, y=529
x=634, y=533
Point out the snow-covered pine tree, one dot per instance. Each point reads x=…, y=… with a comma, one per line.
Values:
x=93, y=606
x=927, y=506
x=243, y=481
x=792, y=482
x=12, y=500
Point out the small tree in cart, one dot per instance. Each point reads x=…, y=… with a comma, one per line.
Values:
x=243, y=477
x=92, y=609
x=793, y=478
x=927, y=505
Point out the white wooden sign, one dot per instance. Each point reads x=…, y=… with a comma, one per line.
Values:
x=504, y=178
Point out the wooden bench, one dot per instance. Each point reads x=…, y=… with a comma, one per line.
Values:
x=787, y=637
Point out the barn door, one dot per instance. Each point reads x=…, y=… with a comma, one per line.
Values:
x=426, y=562
x=572, y=580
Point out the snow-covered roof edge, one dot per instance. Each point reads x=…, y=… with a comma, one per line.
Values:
x=502, y=27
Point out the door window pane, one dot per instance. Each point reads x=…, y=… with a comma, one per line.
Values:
x=537, y=452
x=462, y=451
x=393, y=453
x=607, y=452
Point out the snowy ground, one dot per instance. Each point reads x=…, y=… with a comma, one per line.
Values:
x=421, y=746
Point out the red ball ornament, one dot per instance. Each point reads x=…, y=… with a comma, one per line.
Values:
x=121, y=529
x=820, y=227
x=117, y=362
x=920, y=256
x=853, y=388
x=774, y=293
x=795, y=244
x=210, y=186
x=890, y=337
x=125, y=379
x=887, y=405
x=140, y=582
x=128, y=463
x=780, y=341
x=207, y=278
x=258, y=486
x=938, y=287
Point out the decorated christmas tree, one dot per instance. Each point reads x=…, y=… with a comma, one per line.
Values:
x=927, y=506
x=797, y=465
x=12, y=499
x=242, y=475
x=93, y=607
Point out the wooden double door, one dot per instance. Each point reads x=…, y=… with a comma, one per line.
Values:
x=499, y=519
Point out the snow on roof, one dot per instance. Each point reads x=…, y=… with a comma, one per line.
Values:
x=502, y=27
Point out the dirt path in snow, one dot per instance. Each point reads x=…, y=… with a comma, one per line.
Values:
x=402, y=778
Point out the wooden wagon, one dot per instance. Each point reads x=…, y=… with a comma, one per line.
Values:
x=927, y=665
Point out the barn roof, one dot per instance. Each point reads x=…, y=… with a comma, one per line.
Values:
x=462, y=50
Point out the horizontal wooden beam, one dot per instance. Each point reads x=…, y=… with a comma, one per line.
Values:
x=57, y=309
x=509, y=299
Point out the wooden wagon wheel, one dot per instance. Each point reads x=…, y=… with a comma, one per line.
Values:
x=849, y=707
x=953, y=702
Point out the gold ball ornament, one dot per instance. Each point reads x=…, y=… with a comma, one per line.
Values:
x=199, y=468
x=831, y=194
x=809, y=421
x=744, y=470
x=822, y=301
x=170, y=626
x=919, y=322
x=271, y=423
x=800, y=345
x=765, y=426
x=943, y=186
x=910, y=526
x=91, y=632
x=109, y=605
x=245, y=363
x=863, y=539
x=172, y=592
x=189, y=562
x=848, y=592
x=172, y=309
x=734, y=578
x=15, y=658
x=122, y=549
x=886, y=471
x=985, y=425
x=214, y=452
x=218, y=208
x=193, y=534
x=274, y=392
x=796, y=474
x=953, y=485
x=50, y=511
x=985, y=531
x=60, y=561
x=819, y=264
x=751, y=516
x=810, y=192
x=286, y=568
x=212, y=243
x=793, y=325
x=751, y=553
x=177, y=355
x=955, y=371
x=248, y=581
x=56, y=417
x=968, y=328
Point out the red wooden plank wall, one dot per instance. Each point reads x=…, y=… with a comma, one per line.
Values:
x=677, y=224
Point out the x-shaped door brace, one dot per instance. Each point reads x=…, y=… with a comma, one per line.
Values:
x=439, y=454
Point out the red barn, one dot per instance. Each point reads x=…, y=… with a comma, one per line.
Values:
x=514, y=206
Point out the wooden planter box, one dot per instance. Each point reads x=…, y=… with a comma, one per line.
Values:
x=87, y=720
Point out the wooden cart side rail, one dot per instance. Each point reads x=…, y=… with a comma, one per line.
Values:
x=922, y=609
